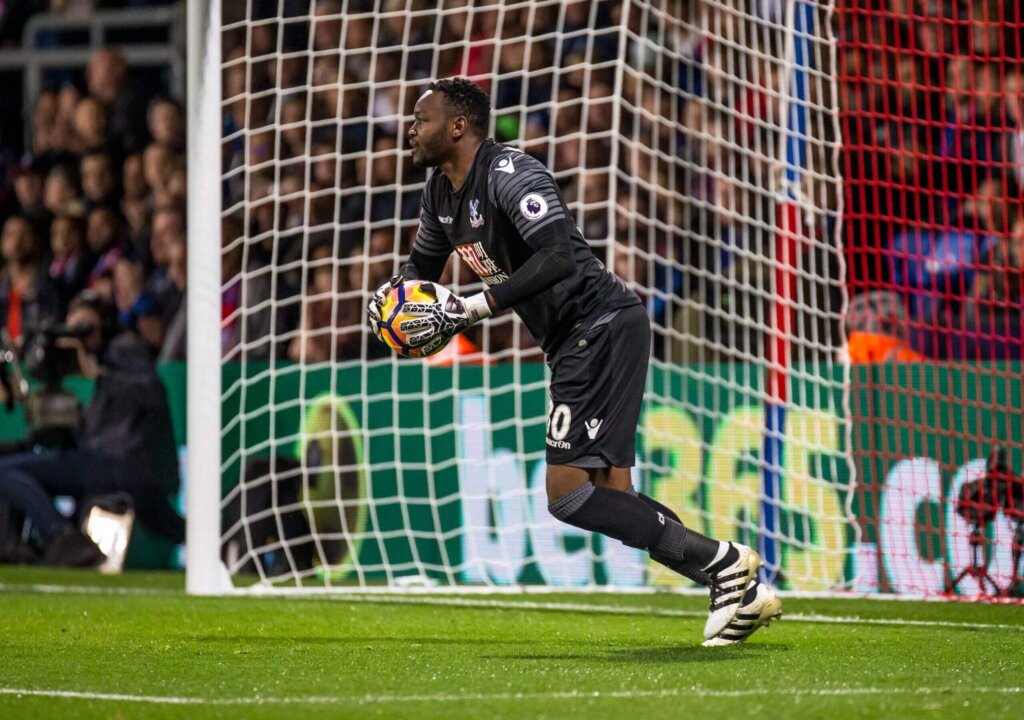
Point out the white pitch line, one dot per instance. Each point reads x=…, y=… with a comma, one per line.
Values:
x=86, y=590
x=447, y=601
x=369, y=699
x=654, y=611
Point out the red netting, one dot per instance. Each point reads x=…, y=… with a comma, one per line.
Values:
x=931, y=99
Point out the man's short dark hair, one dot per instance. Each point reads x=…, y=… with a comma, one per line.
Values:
x=103, y=308
x=465, y=97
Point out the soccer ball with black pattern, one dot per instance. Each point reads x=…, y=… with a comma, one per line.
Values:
x=394, y=312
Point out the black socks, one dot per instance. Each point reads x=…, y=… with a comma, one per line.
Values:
x=613, y=513
x=642, y=522
x=686, y=568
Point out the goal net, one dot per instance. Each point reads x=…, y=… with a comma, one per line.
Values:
x=698, y=144
x=931, y=112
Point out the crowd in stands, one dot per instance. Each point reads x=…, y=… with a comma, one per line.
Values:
x=317, y=158
x=932, y=98
x=96, y=203
x=322, y=199
x=319, y=168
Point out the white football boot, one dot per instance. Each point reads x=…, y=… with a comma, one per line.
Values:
x=727, y=589
x=760, y=606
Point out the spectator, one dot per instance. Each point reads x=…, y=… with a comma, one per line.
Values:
x=89, y=126
x=168, y=226
x=176, y=180
x=594, y=200
x=1015, y=113
x=629, y=266
x=137, y=309
x=156, y=168
x=992, y=315
x=876, y=328
x=315, y=340
x=28, y=191
x=106, y=77
x=136, y=204
x=293, y=128
x=175, y=345
x=45, y=133
x=327, y=25
x=64, y=122
x=168, y=221
x=99, y=182
x=367, y=267
x=53, y=124
x=28, y=299
x=166, y=125
x=72, y=261
x=973, y=144
x=388, y=201
x=106, y=241
x=61, y=193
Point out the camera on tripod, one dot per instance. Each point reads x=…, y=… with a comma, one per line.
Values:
x=979, y=501
x=51, y=412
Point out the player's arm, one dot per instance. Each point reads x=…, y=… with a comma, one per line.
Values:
x=529, y=198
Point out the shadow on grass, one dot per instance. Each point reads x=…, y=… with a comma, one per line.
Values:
x=516, y=649
x=272, y=640
x=655, y=655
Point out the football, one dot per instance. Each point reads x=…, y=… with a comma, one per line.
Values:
x=393, y=313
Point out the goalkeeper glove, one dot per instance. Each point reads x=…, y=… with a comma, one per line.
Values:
x=377, y=302
x=435, y=323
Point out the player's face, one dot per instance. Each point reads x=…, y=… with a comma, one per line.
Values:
x=428, y=135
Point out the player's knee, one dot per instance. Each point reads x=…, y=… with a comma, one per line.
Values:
x=566, y=505
x=564, y=479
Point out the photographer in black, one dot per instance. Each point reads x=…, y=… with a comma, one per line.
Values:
x=124, y=442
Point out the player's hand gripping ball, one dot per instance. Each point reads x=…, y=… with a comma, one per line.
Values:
x=401, y=322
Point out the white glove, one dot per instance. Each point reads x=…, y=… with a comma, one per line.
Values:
x=380, y=296
x=435, y=323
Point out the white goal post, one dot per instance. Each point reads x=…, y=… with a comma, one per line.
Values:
x=204, y=572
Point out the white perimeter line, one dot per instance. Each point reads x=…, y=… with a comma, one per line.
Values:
x=692, y=692
x=650, y=611
x=524, y=605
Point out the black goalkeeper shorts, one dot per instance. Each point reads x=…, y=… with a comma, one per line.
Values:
x=597, y=388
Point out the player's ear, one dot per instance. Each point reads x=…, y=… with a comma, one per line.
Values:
x=459, y=125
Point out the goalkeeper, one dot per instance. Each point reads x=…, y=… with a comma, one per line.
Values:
x=502, y=212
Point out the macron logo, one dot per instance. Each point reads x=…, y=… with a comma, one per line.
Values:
x=592, y=427
x=445, y=219
x=505, y=165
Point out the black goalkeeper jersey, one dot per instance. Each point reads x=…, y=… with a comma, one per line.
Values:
x=504, y=212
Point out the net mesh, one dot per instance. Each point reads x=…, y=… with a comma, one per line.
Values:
x=930, y=97
x=697, y=144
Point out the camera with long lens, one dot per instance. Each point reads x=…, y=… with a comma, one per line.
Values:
x=999, y=490
x=51, y=412
x=1010, y=485
x=1010, y=494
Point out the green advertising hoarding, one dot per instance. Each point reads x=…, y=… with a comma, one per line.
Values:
x=467, y=492
x=450, y=467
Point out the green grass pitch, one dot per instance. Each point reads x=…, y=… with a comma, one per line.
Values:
x=136, y=647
